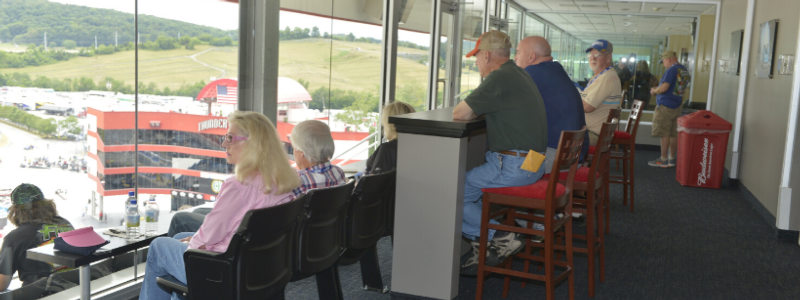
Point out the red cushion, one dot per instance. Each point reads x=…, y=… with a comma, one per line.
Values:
x=534, y=191
x=581, y=175
x=622, y=135
x=591, y=149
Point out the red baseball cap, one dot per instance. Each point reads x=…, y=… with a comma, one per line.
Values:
x=84, y=237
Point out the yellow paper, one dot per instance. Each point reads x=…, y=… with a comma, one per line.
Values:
x=533, y=161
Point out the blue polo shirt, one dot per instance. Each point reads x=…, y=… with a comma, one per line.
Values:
x=562, y=101
x=670, y=98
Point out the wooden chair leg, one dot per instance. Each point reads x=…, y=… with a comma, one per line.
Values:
x=549, y=267
x=625, y=182
x=631, y=179
x=483, y=241
x=590, y=239
x=607, y=201
x=602, y=241
x=570, y=261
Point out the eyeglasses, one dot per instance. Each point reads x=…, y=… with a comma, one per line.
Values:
x=230, y=138
x=595, y=56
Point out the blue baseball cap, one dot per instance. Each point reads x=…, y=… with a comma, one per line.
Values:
x=601, y=45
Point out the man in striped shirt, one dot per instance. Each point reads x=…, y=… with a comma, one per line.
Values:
x=313, y=149
x=603, y=92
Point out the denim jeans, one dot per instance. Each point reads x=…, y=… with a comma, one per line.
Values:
x=187, y=221
x=165, y=257
x=500, y=170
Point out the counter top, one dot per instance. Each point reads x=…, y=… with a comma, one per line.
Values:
x=437, y=122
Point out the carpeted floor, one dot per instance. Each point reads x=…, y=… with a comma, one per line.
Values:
x=681, y=243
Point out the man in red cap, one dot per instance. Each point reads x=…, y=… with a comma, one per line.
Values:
x=516, y=123
x=38, y=224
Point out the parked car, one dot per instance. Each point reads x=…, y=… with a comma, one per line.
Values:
x=28, y=147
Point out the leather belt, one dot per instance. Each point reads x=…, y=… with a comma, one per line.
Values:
x=512, y=153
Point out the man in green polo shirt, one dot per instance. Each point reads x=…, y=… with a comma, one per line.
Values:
x=515, y=123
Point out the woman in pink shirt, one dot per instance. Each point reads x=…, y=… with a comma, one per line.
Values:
x=263, y=178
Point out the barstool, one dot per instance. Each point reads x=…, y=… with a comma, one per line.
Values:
x=548, y=195
x=593, y=182
x=626, y=142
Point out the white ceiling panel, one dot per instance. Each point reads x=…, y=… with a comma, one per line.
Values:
x=691, y=8
x=533, y=5
x=623, y=7
x=658, y=8
x=561, y=5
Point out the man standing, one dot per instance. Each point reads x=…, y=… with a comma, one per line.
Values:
x=603, y=92
x=669, y=97
x=562, y=101
x=515, y=123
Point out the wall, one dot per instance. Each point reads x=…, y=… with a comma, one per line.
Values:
x=766, y=103
x=705, y=42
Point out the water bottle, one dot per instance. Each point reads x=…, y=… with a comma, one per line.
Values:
x=151, y=217
x=131, y=217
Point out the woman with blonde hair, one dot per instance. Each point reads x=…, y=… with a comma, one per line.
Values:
x=385, y=157
x=263, y=178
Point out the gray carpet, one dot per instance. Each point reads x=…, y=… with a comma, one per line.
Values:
x=681, y=243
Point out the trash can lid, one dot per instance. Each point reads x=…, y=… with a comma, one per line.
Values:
x=704, y=120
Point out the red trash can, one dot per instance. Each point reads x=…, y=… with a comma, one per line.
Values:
x=702, y=145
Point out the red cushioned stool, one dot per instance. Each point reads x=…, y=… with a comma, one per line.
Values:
x=625, y=141
x=548, y=195
x=592, y=181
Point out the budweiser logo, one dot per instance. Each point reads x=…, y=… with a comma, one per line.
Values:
x=705, y=164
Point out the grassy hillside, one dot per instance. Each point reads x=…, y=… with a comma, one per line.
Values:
x=339, y=64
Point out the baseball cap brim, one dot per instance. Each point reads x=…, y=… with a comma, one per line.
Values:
x=84, y=237
x=474, y=51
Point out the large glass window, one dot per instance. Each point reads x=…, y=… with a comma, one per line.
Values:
x=533, y=26
x=554, y=37
x=514, y=24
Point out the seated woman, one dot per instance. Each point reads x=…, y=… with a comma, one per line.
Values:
x=38, y=224
x=385, y=157
x=263, y=178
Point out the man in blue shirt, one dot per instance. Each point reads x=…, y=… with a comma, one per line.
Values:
x=562, y=101
x=669, y=97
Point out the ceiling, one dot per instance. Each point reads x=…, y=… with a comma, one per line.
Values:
x=631, y=23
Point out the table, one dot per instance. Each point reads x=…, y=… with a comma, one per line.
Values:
x=434, y=153
x=116, y=246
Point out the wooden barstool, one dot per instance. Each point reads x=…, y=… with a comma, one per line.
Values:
x=592, y=181
x=548, y=195
x=626, y=143
x=613, y=117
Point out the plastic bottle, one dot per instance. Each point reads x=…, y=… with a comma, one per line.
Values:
x=151, y=217
x=131, y=217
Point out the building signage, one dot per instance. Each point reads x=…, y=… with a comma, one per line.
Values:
x=212, y=124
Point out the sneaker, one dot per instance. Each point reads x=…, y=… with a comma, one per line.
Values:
x=671, y=162
x=469, y=262
x=506, y=245
x=659, y=162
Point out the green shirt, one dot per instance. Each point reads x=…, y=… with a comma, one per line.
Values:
x=514, y=109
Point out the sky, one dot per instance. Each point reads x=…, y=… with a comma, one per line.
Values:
x=225, y=15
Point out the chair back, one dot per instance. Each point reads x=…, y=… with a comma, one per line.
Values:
x=259, y=261
x=633, y=119
x=321, y=238
x=602, y=150
x=370, y=210
x=567, y=155
x=35, y=290
x=613, y=114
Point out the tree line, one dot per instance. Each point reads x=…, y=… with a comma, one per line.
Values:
x=26, y=21
x=304, y=33
x=38, y=124
x=84, y=84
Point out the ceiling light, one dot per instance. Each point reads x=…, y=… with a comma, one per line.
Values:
x=656, y=8
x=567, y=4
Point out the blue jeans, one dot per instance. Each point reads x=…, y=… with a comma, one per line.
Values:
x=165, y=257
x=187, y=221
x=500, y=170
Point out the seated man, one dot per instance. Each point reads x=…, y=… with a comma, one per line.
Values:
x=562, y=102
x=38, y=224
x=515, y=123
x=603, y=92
x=313, y=149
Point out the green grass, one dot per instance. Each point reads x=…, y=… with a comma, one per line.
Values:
x=353, y=66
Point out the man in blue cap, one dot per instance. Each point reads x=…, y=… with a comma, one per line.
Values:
x=604, y=90
x=38, y=224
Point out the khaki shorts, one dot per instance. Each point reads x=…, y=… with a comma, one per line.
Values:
x=665, y=121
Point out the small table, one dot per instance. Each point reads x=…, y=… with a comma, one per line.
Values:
x=116, y=246
x=434, y=152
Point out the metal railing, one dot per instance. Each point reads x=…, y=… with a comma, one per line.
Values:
x=353, y=154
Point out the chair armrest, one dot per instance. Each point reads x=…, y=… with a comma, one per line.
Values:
x=170, y=284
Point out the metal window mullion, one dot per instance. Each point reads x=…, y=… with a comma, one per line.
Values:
x=433, y=54
x=258, y=57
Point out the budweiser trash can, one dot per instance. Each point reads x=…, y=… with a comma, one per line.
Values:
x=702, y=145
